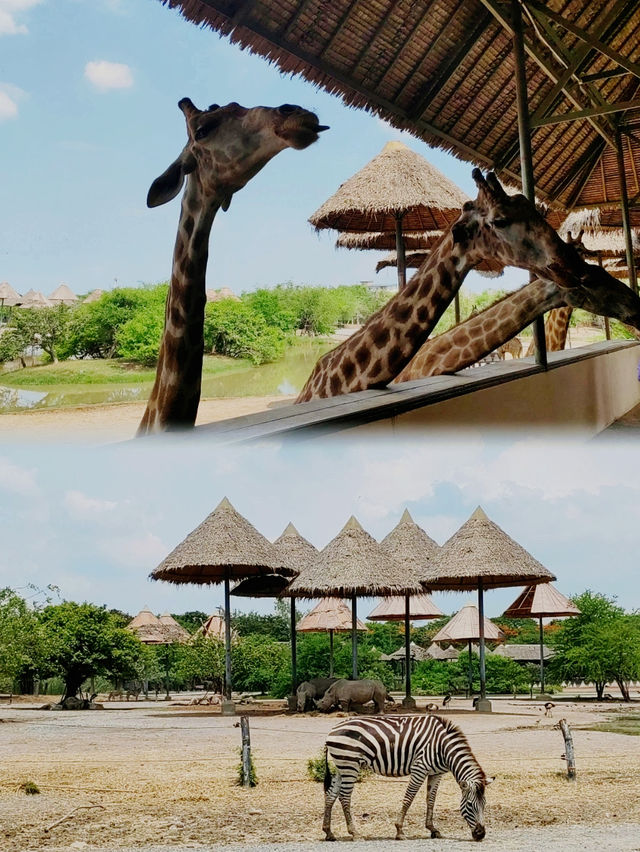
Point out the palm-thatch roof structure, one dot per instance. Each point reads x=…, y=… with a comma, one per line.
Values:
x=421, y=608
x=382, y=241
x=8, y=296
x=524, y=653
x=94, y=296
x=465, y=627
x=35, y=299
x=409, y=544
x=415, y=653
x=148, y=628
x=263, y=586
x=63, y=295
x=214, y=628
x=221, y=294
x=329, y=615
x=435, y=652
x=173, y=631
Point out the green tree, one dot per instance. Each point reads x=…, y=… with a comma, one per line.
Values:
x=12, y=345
x=276, y=626
x=192, y=620
x=46, y=328
x=198, y=661
x=20, y=645
x=259, y=663
x=235, y=329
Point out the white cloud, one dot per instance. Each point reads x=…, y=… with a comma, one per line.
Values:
x=9, y=9
x=17, y=480
x=108, y=75
x=8, y=107
x=82, y=507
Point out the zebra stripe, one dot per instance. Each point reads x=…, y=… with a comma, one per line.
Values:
x=423, y=747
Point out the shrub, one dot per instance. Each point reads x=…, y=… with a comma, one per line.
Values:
x=235, y=329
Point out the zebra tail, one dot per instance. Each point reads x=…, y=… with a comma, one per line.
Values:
x=327, y=773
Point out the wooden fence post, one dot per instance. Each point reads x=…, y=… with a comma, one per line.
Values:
x=568, y=749
x=246, y=751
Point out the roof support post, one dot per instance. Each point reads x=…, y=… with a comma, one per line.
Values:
x=294, y=649
x=483, y=672
x=354, y=637
x=626, y=224
x=526, y=160
x=541, y=658
x=400, y=256
x=407, y=650
x=227, y=638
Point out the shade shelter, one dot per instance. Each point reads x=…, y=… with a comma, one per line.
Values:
x=9, y=297
x=541, y=601
x=224, y=547
x=214, y=627
x=35, y=299
x=466, y=626
x=381, y=241
x=173, y=631
x=148, y=628
x=480, y=555
x=397, y=191
x=63, y=295
x=354, y=564
x=94, y=296
x=329, y=615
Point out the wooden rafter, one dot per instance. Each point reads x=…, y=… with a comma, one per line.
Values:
x=605, y=109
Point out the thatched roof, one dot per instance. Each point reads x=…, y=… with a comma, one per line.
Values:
x=412, y=259
x=541, y=601
x=8, y=296
x=265, y=586
x=435, y=652
x=421, y=607
x=148, y=628
x=294, y=550
x=465, y=625
x=382, y=241
x=94, y=296
x=397, y=181
x=410, y=545
x=415, y=652
x=353, y=563
x=445, y=72
x=221, y=294
x=213, y=628
x=35, y=299
x=524, y=653
x=63, y=295
x=224, y=545
x=172, y=630
x=329, y=614
x=617, y=267
x=480, y=549
x=598, y=237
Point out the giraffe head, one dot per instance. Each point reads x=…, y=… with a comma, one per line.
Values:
x=228, y=145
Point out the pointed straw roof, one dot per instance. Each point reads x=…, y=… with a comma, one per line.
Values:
x=8, y=296
x=465, y=625
x=329, y=614
x=421, y=607
x=173, y=631
x=353, y=563
x=524, y=653
x=224, y=545
x=541, y=601
x=415, y=652
x=435, y=652
x=481, y=550
x=94, y=296
x=410, y=545
x=213, y=628
x=397, y=180
x=148, y=628
x=35, y=299
x=294, y=550
x=63, y=295
x=381, y=240
x=412, y=259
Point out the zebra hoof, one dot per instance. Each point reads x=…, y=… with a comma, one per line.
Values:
x=330, y=836
x=435, y=834
x=400, y=836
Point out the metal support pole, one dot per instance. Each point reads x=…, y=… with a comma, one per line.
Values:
x=626, y=223
x=227, y=639
x=407, y=648
x=526, y=159
x=483, y=678
x=331, y=653
x=294, y=649
x=541, y=658
x=470, y=671
x=354, y=638
x=400, y=258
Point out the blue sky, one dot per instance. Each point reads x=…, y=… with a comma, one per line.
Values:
x=95, y=522
x=89, y=117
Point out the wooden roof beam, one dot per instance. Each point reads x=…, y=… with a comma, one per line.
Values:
x=602, y=75
x=605, y=109
x=242, y=12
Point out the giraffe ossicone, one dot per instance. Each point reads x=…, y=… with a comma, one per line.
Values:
x=226, y=147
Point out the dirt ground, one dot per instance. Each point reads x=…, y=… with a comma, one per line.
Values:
x=165, y=775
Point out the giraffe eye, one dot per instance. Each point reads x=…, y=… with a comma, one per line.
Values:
x=500, y=223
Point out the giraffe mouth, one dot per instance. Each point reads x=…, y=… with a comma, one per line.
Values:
x=305, y=133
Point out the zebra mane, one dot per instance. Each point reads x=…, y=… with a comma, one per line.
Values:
x=451, y=728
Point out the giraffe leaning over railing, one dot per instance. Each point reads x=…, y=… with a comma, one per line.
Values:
x=226, y=147
x=506, y=228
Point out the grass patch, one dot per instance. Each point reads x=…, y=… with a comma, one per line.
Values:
x=30, y=788
x=315, y=769
x=623, y=724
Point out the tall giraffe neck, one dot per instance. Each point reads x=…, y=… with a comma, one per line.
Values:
x=386, y=343
x=466, y=343
x=182, y=347
x=556, y=329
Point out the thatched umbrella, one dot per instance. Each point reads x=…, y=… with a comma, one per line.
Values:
x=541, y=601
x=396, y=191
x=353, y=564
x=330, y=615
x=63, y=295
x=214, y=627
x=224, y=547
x=480, y=555
x=147, y=627
x=173, y=631
x=381, y=241
x=8, y=296
x=35, y=299
x=413, y=259
x=408, y=544
x=94, y=296
x=465, y=626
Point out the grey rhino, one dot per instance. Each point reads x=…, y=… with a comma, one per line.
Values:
x=346, y=692
x=309, y=690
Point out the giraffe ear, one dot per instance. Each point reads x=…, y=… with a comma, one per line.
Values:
x=170, y=182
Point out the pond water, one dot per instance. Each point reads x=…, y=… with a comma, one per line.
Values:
x=286, y=376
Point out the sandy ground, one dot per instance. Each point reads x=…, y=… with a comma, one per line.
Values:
x=116, y=422
x=165, y=776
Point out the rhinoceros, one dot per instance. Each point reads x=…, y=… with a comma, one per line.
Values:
x=346, y=692
x=308, y=691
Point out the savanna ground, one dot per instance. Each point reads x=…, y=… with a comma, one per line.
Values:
x=166, y=776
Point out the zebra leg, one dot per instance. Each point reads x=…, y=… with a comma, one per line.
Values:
x=418, y=774
x=330, y=797
x=346, y=789
x=432, y=788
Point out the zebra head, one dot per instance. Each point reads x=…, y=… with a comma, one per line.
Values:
x=472, y=805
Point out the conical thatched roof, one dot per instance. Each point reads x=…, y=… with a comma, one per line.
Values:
x=329, y=614
x=265, y=586
x=412, y=259
x=524, y=653
x=221, y=294
x=94, y=296
x=480, y=550
x=410, y=545
x=63, y=295
x=465, y=625
x=173, y=631
x=213, y=628
x=8, y=296
x=421, y=607
x=398, y=180
x=35, y=299
x=294, y=550
x=415, y=652
x=435, y=652
x=381, y=241
x=541, y=601
x=353, y=563
x=148, y=628
x=224, y=545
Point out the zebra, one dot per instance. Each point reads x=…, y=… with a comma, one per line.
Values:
x=419, y=746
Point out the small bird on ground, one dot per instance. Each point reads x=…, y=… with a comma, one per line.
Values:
x=431, y=707
x=446, y=699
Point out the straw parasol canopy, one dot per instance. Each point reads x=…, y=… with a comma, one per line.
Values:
x=421, y=607
x=415, y=651
x=94, y=296
x=465, y=627
x=35, y=299
x=481, y=551
x=63, y=295
x=524, y=653
x=148, y=628
x=329, y=615
x=265, y=586
x=409, y=544
x=214, y=628
x=173, y=631
x=382, y=241
x=541, y=601
x=435, y=652
x=412, y=259
x=221, y=294
x=8, y=296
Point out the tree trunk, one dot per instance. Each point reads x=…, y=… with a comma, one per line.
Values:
x=599, y=685
x=624, y=690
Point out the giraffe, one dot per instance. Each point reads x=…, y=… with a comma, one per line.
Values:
x=513, y=347
x=506, y=228
x=226, y=147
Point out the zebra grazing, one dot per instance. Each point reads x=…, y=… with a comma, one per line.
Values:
x=419, y=746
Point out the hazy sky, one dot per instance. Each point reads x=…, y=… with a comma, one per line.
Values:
x=95, y=522
x=89, y=117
